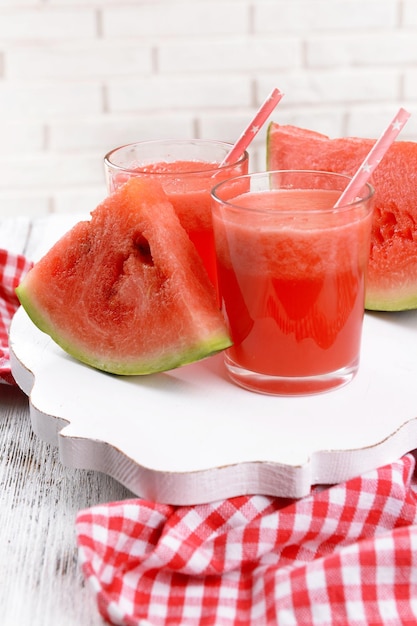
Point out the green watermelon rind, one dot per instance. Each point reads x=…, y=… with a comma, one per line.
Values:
x=390, y=302
x=208, y=347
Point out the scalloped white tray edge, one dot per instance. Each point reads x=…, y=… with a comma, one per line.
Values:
x=190, y=436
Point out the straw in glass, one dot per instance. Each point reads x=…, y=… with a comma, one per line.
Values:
x=373, y=158
x=253, y=128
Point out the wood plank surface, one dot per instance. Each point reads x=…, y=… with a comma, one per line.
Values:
x=40, y=580
x=15, y=234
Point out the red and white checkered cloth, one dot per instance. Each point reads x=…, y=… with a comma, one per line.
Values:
x=13, y=267
x=343, y=555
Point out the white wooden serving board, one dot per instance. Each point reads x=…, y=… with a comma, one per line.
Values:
x=189, y=436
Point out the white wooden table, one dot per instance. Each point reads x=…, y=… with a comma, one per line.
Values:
x=40, y=580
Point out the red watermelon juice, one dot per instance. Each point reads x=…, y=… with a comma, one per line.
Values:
x=187, y=170
x=291, y=276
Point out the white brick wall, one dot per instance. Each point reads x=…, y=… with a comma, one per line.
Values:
x=79, y=78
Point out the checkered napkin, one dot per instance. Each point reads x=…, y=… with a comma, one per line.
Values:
x=12, y=269
x=343, y=555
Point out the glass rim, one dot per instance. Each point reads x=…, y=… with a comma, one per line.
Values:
x=182, y=142
x=344, y=207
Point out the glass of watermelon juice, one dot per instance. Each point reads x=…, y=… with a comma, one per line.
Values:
x=187, y=169
x=291, y=279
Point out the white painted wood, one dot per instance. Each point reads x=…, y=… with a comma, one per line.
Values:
x=40, y=581
x=33, y=237
x=189, y=435
x=14, y=234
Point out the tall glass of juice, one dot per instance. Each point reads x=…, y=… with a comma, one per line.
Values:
x=291, y=276
x=187, y=169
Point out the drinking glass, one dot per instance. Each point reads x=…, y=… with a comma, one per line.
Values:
x=291, y=278
x=187, y=170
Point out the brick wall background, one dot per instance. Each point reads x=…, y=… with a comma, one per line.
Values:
x=79, y=77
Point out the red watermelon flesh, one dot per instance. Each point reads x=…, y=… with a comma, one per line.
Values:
x=126, y=291
x=392, y=270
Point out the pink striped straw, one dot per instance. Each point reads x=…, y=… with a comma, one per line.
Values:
x=373, y=158
x=253, y=128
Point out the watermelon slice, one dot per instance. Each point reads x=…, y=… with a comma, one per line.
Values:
x=392, y=271
x=126, y=291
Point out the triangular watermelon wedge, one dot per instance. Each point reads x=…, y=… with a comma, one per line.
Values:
x=126, y=291
x=392, y=270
